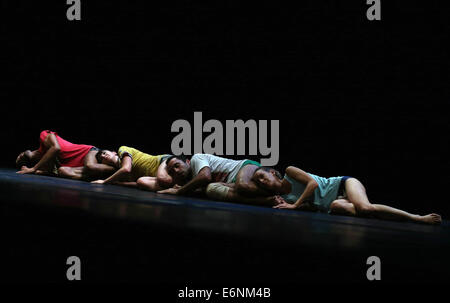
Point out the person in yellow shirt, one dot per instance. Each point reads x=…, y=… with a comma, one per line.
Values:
x=136, y=169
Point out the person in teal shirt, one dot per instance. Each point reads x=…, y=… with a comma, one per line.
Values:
x=336, y=195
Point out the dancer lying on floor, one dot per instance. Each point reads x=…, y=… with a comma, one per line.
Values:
x=136, y=169
x=59, y=157
x=202, y=169
x=336, y=195
x=199, y=173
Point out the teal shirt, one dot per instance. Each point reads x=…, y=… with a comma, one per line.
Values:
x=325, y=193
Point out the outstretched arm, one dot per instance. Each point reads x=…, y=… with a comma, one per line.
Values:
x=202, y=179
x=233, y=196
x=121, y=174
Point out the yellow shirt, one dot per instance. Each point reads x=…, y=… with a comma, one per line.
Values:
x=142, y=164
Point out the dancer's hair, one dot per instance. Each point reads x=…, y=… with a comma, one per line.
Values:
x=98, y=155
x=179, y=157
x=269, y=169
x=24, y=161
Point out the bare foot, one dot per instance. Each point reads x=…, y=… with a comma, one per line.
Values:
x=430, y=219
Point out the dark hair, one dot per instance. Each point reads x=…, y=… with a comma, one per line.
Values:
x=269, y=169
x=98, y=155
x=179, y=157
x=25, y=160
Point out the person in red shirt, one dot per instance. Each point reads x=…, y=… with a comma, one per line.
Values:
x=58, y=156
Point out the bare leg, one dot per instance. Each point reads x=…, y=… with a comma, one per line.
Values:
x=148, y=183
x=342, y=207
x=76, y=173
x=357, y=196
x=227, y=192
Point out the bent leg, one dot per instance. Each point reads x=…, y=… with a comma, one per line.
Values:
x=76, y=173
x=342, y=207
x=220, y=191
x=148, y=183
x=357, y=196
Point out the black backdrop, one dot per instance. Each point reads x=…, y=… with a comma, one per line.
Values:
x=353, y=97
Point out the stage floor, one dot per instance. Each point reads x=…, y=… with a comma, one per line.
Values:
x=124, y=234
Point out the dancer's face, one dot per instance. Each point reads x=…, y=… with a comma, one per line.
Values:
x=178, y=169
x=267, y=180
x=109, y=158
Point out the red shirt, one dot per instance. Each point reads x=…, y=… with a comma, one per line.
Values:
x=70, y=154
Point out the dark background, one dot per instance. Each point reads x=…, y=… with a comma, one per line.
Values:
x=353, y=97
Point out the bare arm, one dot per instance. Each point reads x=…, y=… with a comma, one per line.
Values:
x=202, y=179
x=95, y=168
x=274, y=201
x=123, y=172
x=162, y=176
x=53, y=149
x=302, y=177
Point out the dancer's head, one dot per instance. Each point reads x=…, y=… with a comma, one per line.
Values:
x=107, y=157
x=179, y=168
x=268, y=178
x=28, y=158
